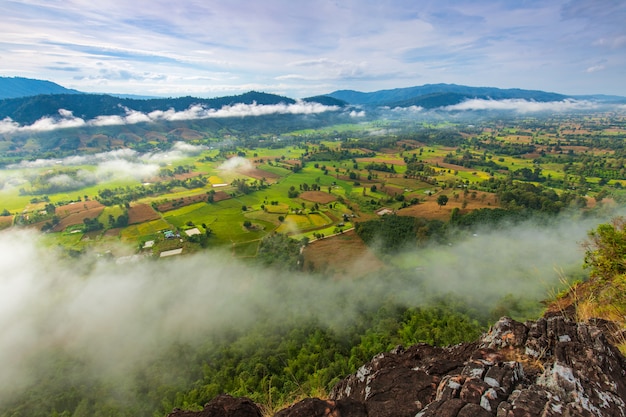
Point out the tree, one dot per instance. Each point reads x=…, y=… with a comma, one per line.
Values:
x=442, y=200
x=292, y=193
x=605, y=250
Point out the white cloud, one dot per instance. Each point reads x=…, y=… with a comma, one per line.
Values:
x=197, y=111
x=121, y=168
x=409, y=109
x=355, y=113
x=595, y=68
x=236, y=163
x=178, y=151
x=522, y=106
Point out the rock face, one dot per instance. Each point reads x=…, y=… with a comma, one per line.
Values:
x=221, y=406
x=550, y=367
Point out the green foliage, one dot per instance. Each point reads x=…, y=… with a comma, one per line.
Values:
x=274, y=365
x=487, y=216
x=90, y=225
x=392, y=232
x=515, y=195
x=279, y=250
x=605, y=251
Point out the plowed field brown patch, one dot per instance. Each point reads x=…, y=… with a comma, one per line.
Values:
x=5, y=221
x=140, y=213
x=318, y=197
x=72, y=208
x=187, y=175
x=432, y=211
x=260, y=174
x=192, y=199
x=78, y=218
x=342, y=256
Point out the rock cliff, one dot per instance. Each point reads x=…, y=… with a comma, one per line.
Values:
x=549, y=367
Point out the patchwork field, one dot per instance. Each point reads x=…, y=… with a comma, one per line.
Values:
x=78, y=216
x=323, y=187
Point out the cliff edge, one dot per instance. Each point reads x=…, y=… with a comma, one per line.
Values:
x=550, y=367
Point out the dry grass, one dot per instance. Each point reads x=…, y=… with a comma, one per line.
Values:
x=592, y=300
x=430, y=210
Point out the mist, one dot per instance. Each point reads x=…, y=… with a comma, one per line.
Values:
x=523, y=106
x=66, y=118
x=116, y=164
x=236, y=163
x=115, y=318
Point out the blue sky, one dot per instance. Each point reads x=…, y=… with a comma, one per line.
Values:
x=297, y=48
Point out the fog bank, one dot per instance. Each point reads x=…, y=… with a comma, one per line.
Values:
x=115, y=318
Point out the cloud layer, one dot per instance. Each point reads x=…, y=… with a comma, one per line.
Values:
x=115, y=317
x=116, y=164
x=67, y=119
x=523, y=106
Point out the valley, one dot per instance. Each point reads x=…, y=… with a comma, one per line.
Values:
x=197, y=191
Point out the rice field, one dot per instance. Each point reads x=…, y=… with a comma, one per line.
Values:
x=137, y=231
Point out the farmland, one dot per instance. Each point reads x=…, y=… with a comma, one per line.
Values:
x=317, y=183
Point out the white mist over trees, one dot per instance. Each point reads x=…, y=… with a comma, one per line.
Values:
x=114, y=318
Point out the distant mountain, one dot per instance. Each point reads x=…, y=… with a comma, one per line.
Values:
x=438, y=95
x=326, y=100
x=27, y=110
x=14, y=87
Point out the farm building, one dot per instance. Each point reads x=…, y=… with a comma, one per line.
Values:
x=172, y=252
x=384, y=210
x=168, y=234
x=192, y=232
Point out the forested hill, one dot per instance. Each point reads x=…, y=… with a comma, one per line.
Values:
x=27, y=110
x=437, y=95
x=14, y=87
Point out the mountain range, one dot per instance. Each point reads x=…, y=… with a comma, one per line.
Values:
x=25, y=100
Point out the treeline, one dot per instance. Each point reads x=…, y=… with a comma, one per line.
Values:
x=517, y=195
x=392, y=232
x=125, y=195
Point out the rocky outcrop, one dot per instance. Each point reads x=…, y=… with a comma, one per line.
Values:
x=550, y=367
x=222, y=406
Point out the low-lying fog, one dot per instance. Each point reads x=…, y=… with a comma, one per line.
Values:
x=115, y=317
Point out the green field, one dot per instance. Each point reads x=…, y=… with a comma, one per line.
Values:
x=145, y=230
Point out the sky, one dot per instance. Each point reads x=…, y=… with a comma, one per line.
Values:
x=300, y=49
